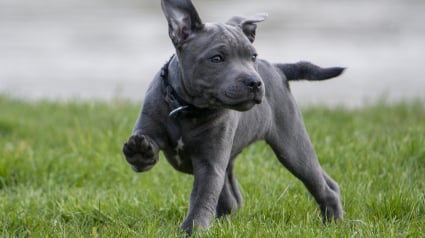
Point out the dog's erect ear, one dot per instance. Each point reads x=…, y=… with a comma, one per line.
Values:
x=248, y=24
x=183, y=20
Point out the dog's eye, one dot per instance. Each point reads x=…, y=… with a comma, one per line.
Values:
x=254, y=57
x=217, y=59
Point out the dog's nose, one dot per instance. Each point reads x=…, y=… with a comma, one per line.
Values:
x=253, y=84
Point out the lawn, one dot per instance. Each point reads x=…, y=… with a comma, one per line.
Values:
x=62, y=174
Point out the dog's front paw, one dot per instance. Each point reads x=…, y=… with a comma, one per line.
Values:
x=139, y=153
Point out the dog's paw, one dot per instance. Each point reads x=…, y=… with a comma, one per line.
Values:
x=139, y=153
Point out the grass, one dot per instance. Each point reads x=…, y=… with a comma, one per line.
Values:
x=62, y=175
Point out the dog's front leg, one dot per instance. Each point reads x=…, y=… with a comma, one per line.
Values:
x=142, y=148
x=208, y=183
x=210, y=155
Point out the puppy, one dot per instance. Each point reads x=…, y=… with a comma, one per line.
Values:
x=213, y=98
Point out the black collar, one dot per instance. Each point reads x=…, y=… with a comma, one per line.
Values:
x=177, y=106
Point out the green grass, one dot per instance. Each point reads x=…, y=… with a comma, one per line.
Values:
x=62, y=175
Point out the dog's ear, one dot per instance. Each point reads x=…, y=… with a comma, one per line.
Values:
x=248, y=24
x=183, y=20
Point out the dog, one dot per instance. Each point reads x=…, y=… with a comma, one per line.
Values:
x=213, y=98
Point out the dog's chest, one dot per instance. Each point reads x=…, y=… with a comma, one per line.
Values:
x=178, y=157
x=179, y=149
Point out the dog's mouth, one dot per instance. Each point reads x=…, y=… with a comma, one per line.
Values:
x=230, y=98
x=242, y=103
x=243, y=106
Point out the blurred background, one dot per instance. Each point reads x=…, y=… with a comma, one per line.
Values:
x=108, y=49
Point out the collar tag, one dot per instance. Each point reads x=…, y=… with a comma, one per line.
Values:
x=174, y=113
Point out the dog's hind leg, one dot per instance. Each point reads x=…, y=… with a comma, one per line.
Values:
x=294, y=150
x=230, y=197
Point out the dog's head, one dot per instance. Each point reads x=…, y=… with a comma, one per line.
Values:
x=217, y=61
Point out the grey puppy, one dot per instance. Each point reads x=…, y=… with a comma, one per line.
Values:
x=212, y=99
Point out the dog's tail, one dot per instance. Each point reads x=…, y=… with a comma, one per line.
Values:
x=308, y=71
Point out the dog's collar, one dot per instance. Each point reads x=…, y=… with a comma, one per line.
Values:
x=177, y=106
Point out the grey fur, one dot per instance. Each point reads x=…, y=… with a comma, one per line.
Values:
x=241, y=99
